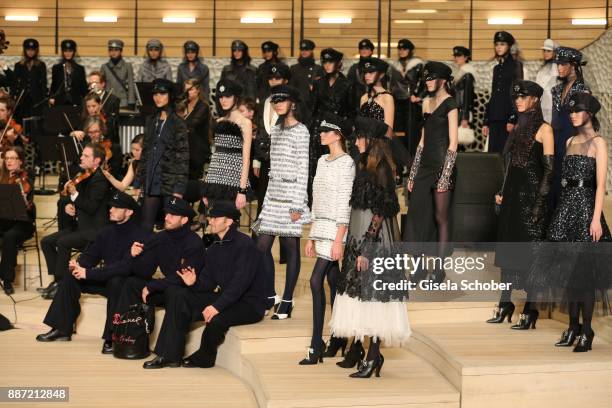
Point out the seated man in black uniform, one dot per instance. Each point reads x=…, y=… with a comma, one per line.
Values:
x=101, y=269
x=88, y=204
x=229, y=291
x=172, y=249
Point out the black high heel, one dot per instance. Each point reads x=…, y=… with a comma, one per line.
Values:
x=501, y=312
x=353, y=356
x=313, y=356
x=333, y=345
x=367, y=367
x=283, y=316
x=569, y=336
x=585, y=343
x=438, y=276
x=527, y=321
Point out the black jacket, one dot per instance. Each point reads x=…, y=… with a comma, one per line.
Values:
x=197, y=128
x=34, y=82
x=78, y=86
x=174, y=163
x=263, y=88
x=111, y=111
x=335, y=99
x=245, y=75
x=92, y=202
x=234, y=266
x=464, y=95
x=501, y=105
x=303, y=75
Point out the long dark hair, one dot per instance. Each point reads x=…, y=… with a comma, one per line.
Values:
x=246, y=57
x=378, y=156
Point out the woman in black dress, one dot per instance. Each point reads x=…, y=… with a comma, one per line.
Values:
x=432, y=176
x=197, y=117
x=523, y=215
x=377, y=102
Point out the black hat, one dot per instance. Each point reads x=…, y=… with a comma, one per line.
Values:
x=30, y=44
x=69, y=45
x=178, y=206
x=191, y=46
x=405, y=44
x=370, y=128
x=366, y=43
x=227, y=87
x=154, y=43
x=123, y=200
x=223, y=209
x=239, y=45
x=307, y=45
x=583, y=101
x=459, y=50
x=278, y=71
x=162, y=85
x=503, y=36
x=335, y=123
x=283, y=92
x=373, y=64
x=269, y=46
x=331, y=55
x=526, y=88
x=437, y=70
x=568, y=55
x=115, y=44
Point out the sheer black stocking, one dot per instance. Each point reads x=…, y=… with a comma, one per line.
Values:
x=322, y=268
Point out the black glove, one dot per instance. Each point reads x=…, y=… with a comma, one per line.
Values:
x=544, y=188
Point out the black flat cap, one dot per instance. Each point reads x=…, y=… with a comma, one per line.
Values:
x=437, y=70
x=568, y=55
x=191, y=46
x=123, y=200
x=223, y=208
x=331, y=55
x=68, y=45
x=374, y=64
x=269, y=46
x=239, y=45
x=178, y=206
x=366, y=43
x=335, y=123
x=370, y=128
x=278, y=71
x=307, y=45
x=227, y=87
x=162, y=85
x=30, y=44
x=459, y=50
x=405, y=44
x=583, y=101
x=283, y=92
x=503, y=36
x=526, y=88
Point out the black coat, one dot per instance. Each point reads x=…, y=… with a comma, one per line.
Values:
x=174, y=163
x=197, y=127
x=501, y=105
x=464, y=95
x=92, y=202
x=303, y=75
x=245, y=75
x=34, y=82
x=78, y=88
x=335, y=99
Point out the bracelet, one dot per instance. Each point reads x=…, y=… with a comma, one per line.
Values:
x=242, y=191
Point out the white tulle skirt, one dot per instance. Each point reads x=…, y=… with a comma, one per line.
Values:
x=388, y=321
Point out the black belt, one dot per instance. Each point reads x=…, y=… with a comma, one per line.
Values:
x=577, y=183
x=228, y=150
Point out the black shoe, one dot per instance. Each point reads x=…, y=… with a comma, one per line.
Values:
x=367, y=367
x=53, y=335
x=160, y=362
x=503, y=310
x=353, y=356
x=50, y=293
x=333, y=345
x=585, y=343
x=527, y=321
x=313, y=356
x=107, y=347
x=199, y=360
x=419, y=275
x=569, y=336
x=8, y=288
x=438, y=276
x=48, y=288
x=188, y=363
x=285, y=309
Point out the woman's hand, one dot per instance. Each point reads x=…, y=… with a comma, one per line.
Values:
x=362, y=263
x=310, y=249
x=465, y=123
x=336, y=251
x=240, y=201
x=595, y=230
x=410, y=186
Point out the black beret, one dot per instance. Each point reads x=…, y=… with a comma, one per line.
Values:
x=269, y=46
x=239, y=45
x=405, y=44
x=191, y=46
x=162, y=85
x=437, y=70
x=30, y=44
x=115, y=44
x=227, y=87
x=366, y=43
x=461, y=50
x=307, y=45
x=568, y=55
x=178, y=206
x=335, y=123
x=278, y=71
x=503, y=36
x=331, y=55
x=373, y=64
x=283, y=92
x=583, y=101
x=223, y=208
x=123, y=200
x=370, y=128
x=526, y=88
x=68, y=45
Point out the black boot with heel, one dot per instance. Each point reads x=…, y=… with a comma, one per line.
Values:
x=369, y=367
x=353, y=356
x=333, y=345
x=503, y=310
x=527, y=320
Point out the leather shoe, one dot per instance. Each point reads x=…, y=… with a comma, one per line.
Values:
x=160, y=362
x=107, y=347
x=8, y=288
x=50, y=293
x=187, y=362
x=48, y=288
x=53, y=335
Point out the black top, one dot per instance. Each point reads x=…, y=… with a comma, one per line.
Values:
x=92, y=202
x=332, y=99
x=435, y=141
x=501, y=105
x=71, y=92
x=465, y=95
x=197, y=128
x=303, y=75
x=34, y=82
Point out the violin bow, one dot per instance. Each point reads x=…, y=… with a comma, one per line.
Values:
x=11, y=117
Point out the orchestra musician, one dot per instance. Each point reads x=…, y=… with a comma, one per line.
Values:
x=14, y=233
x=129, y=180
x=12, y=132
x=109, y=103
x=94, y=131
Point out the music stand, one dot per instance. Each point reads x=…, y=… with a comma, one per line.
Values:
x=12, y=204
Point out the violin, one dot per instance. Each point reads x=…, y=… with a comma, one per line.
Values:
x=79, y=178
x=107, y=144
x=22, y=180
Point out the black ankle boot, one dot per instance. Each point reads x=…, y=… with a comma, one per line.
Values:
x=333, y=345
x=353, y=356
x=527, y=321
x=585, y=342
x=569, y=336
x=367, y=367
x=438, y=276
x=503, y=310
x=313, y=356
x=419, y=275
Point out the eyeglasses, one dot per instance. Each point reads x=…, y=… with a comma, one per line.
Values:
x=7, y=158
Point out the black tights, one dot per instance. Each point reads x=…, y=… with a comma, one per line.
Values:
x=150, y=210
x=374, y=349
x=442, y=213
x=581, y=301
x=292, y=249
x=322, y=268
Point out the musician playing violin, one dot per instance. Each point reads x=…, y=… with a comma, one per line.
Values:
x=94, y=131
x=86, y=206
x=14, y=233
x=14, y=134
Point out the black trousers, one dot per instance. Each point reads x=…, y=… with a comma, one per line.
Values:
x=65, y=306
x=131, y=294
x=12, y=234
x=184, y=306
x=64, y=221
x=498, y=134
x=57, y=247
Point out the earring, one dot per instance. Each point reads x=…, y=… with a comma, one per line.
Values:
x=292, y=107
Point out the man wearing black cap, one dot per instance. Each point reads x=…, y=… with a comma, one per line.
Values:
x=120, y=75
x=101, y=269
x=355, y=73
x=228, y=291
x=155, y=66
x=241, y=70
x=164, y=163
x=269, y=52
x=30, y=76
x=192, y=67
x=68, y=84
x=464, y=83
x=304, y=73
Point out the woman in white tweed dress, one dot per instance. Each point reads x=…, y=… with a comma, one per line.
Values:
x=285, y=208
x=331, y=193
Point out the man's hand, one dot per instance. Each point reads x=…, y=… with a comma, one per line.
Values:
x=70, y=210
x=72, y=264
x=79, y=272
x=177, y=195
x=145, y=294
x=136, y=249
x=188, y=275
x=209, y=312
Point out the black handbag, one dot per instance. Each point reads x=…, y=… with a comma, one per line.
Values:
x=131, y=332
